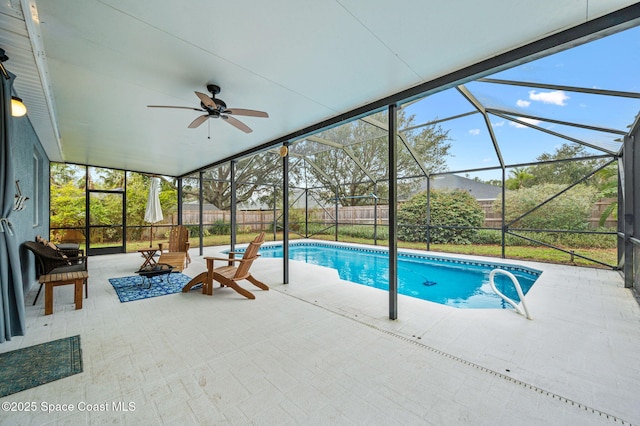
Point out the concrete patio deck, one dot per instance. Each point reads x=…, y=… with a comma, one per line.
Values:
x=323, y=351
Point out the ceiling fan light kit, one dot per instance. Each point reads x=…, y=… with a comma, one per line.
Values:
x=217, y=108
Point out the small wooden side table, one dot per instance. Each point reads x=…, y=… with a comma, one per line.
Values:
x=148, y=254
x=63, y=278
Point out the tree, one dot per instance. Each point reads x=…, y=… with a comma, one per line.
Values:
x=67, y=208
x=565, y=172
x=367, y=144
x=100, y=178
x=68, y=197
x=137, y=195
x=519, y=178
x=61, y=174
x=255, y=177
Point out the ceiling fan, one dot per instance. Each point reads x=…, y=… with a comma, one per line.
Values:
x=216, y=108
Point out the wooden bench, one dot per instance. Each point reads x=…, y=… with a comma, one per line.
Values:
x=51, y=280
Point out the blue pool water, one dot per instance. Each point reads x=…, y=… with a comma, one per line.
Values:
x=454, y=282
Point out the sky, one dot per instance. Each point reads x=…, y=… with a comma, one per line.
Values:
x=609, y=63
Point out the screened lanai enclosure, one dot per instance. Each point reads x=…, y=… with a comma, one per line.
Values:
x=532, y=162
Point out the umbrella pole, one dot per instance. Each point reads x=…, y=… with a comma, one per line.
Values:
x=151, y=237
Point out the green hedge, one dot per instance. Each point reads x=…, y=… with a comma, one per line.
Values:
x=455, y=208
x=363, y=231
x=220, y=227
x=355, y=231
x=564, y=240
x=570, y=211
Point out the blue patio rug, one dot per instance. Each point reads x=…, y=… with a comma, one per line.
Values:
x=132, y=288
x=36, y=365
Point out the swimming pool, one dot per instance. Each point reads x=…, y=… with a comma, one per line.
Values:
x=454, y=282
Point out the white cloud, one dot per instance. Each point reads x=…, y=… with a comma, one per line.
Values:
x=526, y=120
x=522, y=103
x=474, y=132
x=498, y=124
x=557, y=97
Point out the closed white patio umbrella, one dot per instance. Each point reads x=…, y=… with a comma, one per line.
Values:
x=153, y=213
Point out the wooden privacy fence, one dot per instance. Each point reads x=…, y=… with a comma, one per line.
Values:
x=257, y=219
x=252, y=220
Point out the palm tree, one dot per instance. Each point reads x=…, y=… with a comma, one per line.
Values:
x=519, y=175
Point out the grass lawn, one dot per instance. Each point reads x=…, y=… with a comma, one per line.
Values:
x=539, y=254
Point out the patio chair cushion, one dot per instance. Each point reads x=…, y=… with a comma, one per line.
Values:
x=69, y=268
x=46, y=242
x=64, y=250
x=70, y=249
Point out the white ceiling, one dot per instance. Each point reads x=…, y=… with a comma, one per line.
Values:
x=99, y=63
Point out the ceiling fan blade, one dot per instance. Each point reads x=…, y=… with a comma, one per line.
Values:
x=237, y=123
x=198, y=121
x=247, y=112
x=206, y=100
x=168, y=106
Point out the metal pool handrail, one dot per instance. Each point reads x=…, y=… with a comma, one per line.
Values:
x=516, y=284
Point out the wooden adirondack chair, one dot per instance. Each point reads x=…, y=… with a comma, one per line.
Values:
x=176, y=251
x=229, y=275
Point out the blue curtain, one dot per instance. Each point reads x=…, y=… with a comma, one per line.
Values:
x=12, y=319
